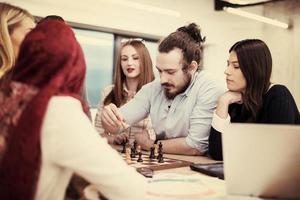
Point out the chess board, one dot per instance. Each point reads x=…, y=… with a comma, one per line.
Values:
x=153, y=164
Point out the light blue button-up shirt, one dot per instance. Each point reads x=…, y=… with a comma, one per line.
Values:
x=188, y=115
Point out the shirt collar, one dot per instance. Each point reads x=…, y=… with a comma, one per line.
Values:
x=187, y=91
x=125, y=89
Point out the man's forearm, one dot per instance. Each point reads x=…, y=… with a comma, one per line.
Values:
x=179, y=146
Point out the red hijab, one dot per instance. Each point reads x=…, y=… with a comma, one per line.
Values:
x=50, y=63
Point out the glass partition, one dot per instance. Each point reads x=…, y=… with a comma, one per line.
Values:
x=98, y=48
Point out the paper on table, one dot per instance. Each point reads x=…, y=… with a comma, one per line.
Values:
x=176, y=186
x=172, y=186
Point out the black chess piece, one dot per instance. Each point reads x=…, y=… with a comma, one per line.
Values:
x=159, y=155
x=124, y=146
x=160, y=146
x=160, y=151
x=134, y=148
x=140, y=159
x=135, y=144
x=132, y=152
x=160, y=158
x=152, y=153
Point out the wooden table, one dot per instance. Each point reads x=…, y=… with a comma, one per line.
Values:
x=215, y=184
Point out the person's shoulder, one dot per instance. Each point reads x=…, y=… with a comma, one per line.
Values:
x=69, y=106
x=205, y=81
x=154, y=85
x=205, y=77
x=59, y=103
x=60, y=100
x=105, y=91
x=278, y=90
x=278, y=94
x=108, y=88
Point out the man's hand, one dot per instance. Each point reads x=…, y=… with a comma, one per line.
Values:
x=144, y=140
x=112, y=120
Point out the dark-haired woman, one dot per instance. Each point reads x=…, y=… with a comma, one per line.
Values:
x=251, y=97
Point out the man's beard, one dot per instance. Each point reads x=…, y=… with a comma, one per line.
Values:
x=172, y=95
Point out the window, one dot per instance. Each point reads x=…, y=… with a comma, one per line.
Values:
x=152, y=48
x=98, y=48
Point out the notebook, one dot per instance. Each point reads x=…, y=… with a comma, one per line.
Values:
x=262, y=160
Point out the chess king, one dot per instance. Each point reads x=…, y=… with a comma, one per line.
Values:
x=180, y=105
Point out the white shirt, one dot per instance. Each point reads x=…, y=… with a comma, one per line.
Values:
x=70, y=144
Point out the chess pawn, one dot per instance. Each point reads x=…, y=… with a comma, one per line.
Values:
x=152, y=154
x=140, y=159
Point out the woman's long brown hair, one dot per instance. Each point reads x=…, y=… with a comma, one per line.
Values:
x=255, y=62
x=117, y=96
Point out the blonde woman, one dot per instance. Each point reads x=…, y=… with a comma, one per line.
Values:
x=15, y=23
x=133, y=70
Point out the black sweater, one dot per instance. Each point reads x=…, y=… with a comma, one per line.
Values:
x=279, y=107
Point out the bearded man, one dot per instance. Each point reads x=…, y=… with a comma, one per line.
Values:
x=180, y=105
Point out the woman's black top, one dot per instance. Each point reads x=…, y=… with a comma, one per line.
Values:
x=278, y=107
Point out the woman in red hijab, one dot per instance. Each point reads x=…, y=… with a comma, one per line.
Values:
x=45, y=135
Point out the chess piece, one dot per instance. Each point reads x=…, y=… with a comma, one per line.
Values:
x=133, y=152
x=155, y=150
x=160, y=145
x=135, y=144
x=160, y=151
x=160, y=157
x=160, y=148
x=140, y=159
x=127, y=155
x=124, y=147
x=139, y=149
x=134, y=149
x=152, y=154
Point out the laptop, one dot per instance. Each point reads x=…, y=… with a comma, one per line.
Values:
x=262, y=160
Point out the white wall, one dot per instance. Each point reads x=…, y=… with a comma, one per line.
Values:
x=285, y=45
x=222, y=29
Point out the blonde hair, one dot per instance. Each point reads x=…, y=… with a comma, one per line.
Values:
x=10, y=18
